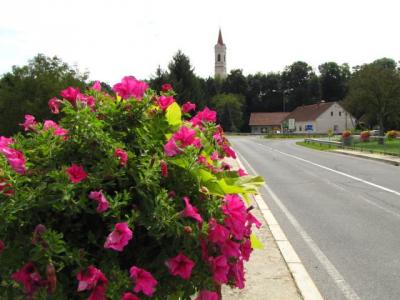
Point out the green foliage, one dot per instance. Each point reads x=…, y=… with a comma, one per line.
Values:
x=230, y=110
x=27, y=89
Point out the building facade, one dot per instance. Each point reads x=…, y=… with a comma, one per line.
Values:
x=220, y=57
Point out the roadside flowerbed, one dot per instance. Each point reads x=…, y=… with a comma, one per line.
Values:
x=126, y=197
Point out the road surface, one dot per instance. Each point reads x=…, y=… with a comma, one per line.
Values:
x=341, y=214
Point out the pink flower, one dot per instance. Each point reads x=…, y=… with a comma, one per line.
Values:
x=207, y=295
x=15, y=158
x=29, y=277
x=58, y=130
x=143, y=280
x=29, y=122
x=229, y=151
x=70, y=93
x=216, y=232
x=230, y=249
x=214, y=155
x=237, y=273
x=164, y=168
x=53, y=105
x=130, y=296
x=96, y=86
x=122, y=156
x=86, y=100
x=170, y=148
x=191, y=211
x=2, y=246
x=206, y=115
x=241, y=172
x=180, y=265
x=220, y=269
x=188, y=106
x=76, y=173
x=5, y=142
x=246, y=249
x=251, y=219
x=164, y=102
x=93, y=279
x=185, y=136
x=217, y=136
x=197, y=143
x=166, y=87
x=102, y=203
x=130, y=87
x=119, y=238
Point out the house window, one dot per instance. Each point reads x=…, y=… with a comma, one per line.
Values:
x=331, y=113
x=340, y=113
x=300, y=129
x=219, y=57
x=335, y=128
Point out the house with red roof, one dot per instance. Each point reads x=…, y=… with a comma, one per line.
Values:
x=267, y=122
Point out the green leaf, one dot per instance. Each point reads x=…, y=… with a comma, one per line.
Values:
x=174, y=114
x=255, y=242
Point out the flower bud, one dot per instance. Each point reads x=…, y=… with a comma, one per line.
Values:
x=188, y=229
x=51, y=278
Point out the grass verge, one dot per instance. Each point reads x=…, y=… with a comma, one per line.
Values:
x=316, y=146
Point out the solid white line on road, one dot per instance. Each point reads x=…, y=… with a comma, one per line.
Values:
x=338, y=279
x=334, y=171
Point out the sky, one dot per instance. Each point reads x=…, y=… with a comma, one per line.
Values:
x=115, y=38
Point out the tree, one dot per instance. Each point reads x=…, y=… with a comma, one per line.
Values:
x=159, y=79
x=229, y=110
x=235, y=83
x=374, y=90
x=263, y=92
x=333, y=80
x=27, y=89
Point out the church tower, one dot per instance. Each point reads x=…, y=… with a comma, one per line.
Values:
x=220, y=57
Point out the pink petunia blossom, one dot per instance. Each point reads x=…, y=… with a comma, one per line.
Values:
x=206, y=115
x=129, y=296
x=76, y=173
x=16, y=159
x=5, y=142
x=130, y=87
x=70, y=93
x=166, y=87
x=96, y=86
x=246, y=249
x=241, y=172
x=217, y=136
x=207, y=295
x=237, y=273
x=197, y=143
x=188, y=107
x=251, y=219
x=229, y=151
x=180, y=265
x=143, y=280
x=230, y=249
x=93, y=279
x=102, y=203
x=119, y=238
x=29, y=123
x=185, y=136
x=2, y=246
x=191, y=211
x=170, y=148
x=122, y=156
x=165, y=101
x=86, y=100
x=29, y=277
x=214, y=155
x=220, y=269
x=164, y=168
x=57, y=129
x=217, y=233
x=53, y=105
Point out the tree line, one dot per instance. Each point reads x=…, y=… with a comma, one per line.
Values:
x=371, y=92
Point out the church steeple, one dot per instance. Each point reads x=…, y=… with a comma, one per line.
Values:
x=220, y=57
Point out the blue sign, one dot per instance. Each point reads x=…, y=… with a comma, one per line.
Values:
x=308, y=127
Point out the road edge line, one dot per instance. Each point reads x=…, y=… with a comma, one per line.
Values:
x=304, y=283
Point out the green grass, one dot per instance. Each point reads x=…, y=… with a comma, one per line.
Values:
x=390, y=146
x=293, y=136
x=316, y=146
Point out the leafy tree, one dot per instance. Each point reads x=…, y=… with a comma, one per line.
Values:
x=235, y=83
x=159, y=79
x=27, y=89
x=334, y=79
x=263, y=92
x=374, y=91
x=229, y=110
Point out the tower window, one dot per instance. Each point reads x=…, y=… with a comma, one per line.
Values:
x=224, y=58
x=219, y=57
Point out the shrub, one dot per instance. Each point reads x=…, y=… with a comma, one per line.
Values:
x=364, y=136
x=392, y=134
x=124, y=197
x=346, y=134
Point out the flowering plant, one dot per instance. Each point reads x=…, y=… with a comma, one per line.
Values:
x=346, y=134
x=364, y=136
x=127, y=197
x=392, y=134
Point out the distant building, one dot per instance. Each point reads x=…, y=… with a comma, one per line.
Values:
x=316, y=118
x=220, y=57
x=267, y=122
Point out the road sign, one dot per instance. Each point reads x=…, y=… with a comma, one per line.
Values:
x=308, y=127
x=291, y=124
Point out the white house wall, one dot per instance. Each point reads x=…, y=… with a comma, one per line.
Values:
x=335, y=115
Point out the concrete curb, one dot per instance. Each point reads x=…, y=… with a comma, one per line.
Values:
x=302, y=279
x=385, y=160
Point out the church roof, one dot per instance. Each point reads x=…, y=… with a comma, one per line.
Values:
x=220, y=41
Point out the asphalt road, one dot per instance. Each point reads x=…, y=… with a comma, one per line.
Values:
x=341, y=214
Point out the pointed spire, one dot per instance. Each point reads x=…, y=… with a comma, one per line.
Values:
x=220, y=41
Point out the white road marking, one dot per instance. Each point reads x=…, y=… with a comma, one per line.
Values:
x=337, y=278
x=334, y=171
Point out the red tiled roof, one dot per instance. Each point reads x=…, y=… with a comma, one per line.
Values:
x=309, y=112
x=267, y=118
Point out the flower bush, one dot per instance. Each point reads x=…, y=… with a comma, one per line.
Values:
x=127, y=197
x=392, y=134
x=346, y=134
x=364, y=136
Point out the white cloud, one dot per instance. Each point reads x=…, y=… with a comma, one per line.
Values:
x=115, y=38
